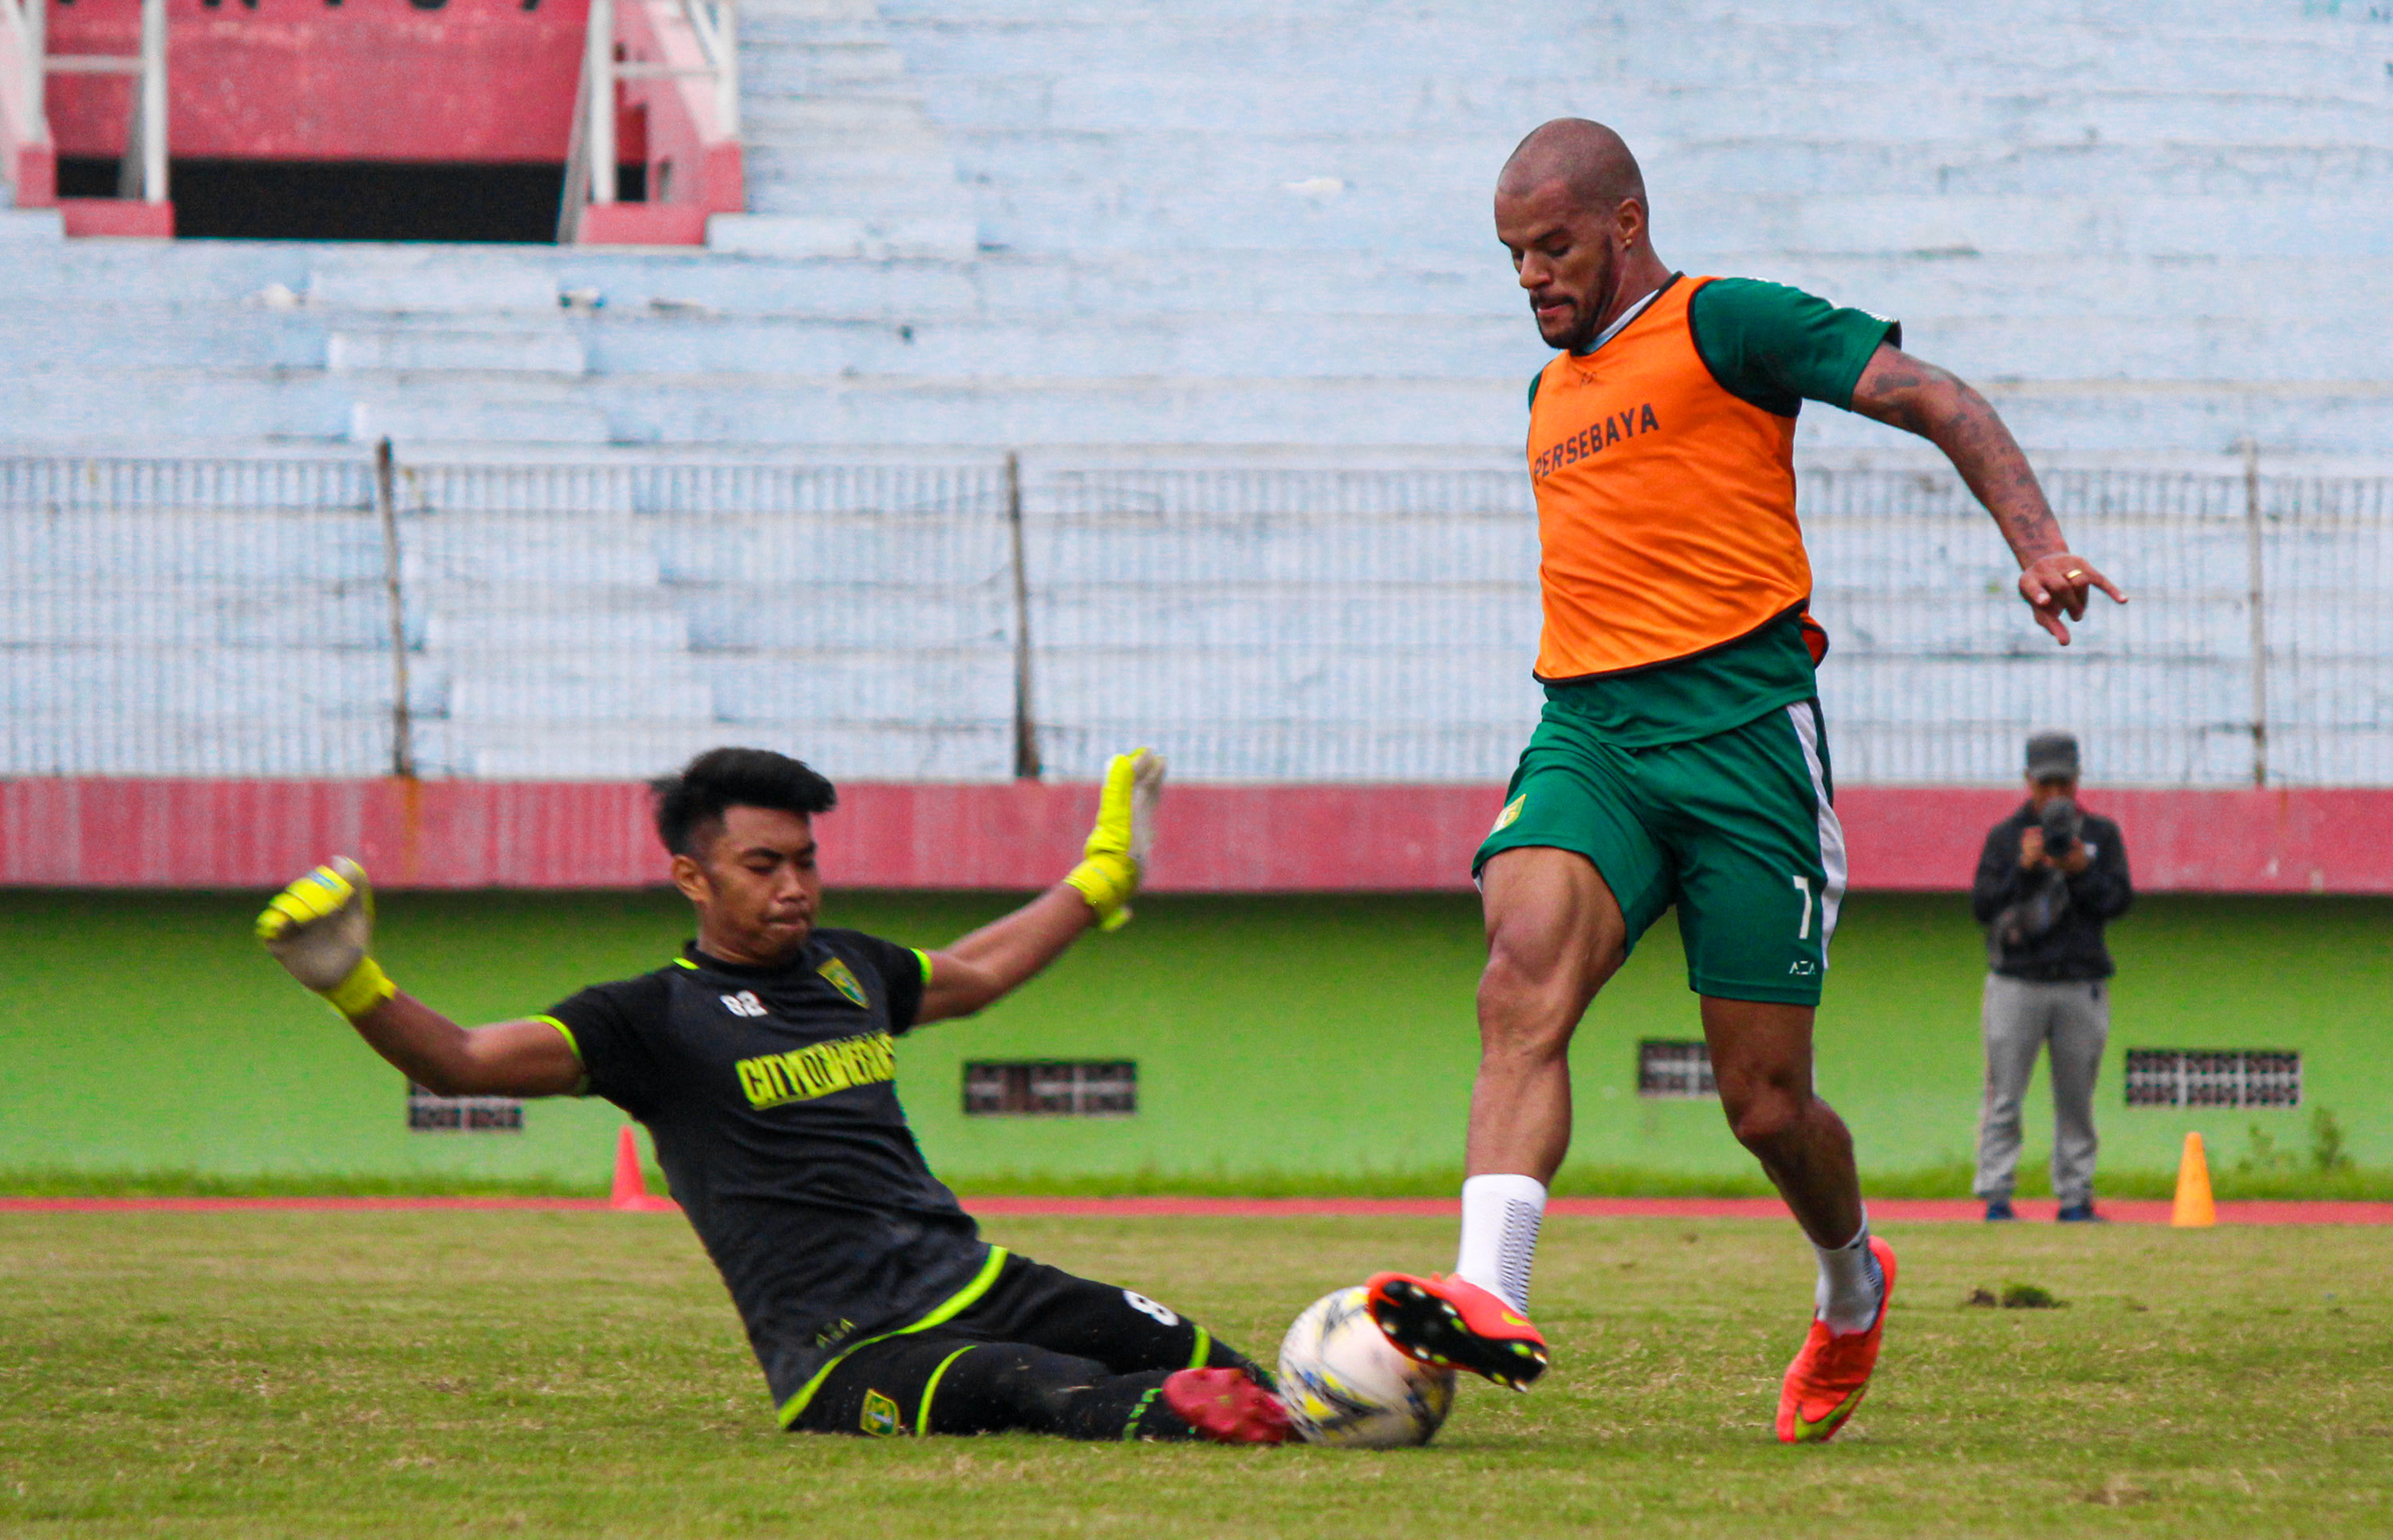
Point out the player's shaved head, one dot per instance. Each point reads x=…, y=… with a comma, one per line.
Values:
x=1588, y=160
x=1570, y=206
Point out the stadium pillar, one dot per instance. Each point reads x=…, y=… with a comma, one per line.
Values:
x=149, y=114
x=402, y=727
x=1026, y=724
x=598, y=72
x=36, y=16
x=2256, y=571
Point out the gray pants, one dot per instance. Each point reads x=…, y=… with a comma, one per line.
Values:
x=2020, y=1018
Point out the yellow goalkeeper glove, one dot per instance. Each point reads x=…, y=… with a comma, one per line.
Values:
x=319, y=928
x=1116, y=849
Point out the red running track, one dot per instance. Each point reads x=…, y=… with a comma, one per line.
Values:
x=1897, y=1211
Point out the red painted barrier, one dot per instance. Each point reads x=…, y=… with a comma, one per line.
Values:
x=1022, y=835
x=2317, y=840
x=299, y=80
x=122, y=217
x=465, y=82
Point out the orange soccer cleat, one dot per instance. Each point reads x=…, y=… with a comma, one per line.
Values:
x=1447, y=1322
x=1826, y=1379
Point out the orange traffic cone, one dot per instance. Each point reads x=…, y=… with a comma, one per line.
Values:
x=2193, y=1207
x=631, y=1188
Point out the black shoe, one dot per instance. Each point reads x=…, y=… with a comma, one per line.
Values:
x=2000, y=1208
x=2081, y=1213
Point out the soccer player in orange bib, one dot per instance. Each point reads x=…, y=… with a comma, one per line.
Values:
x=1681, y=758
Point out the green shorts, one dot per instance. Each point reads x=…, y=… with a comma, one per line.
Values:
x=1738, y=830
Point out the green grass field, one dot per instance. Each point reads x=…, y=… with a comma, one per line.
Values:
x=309, y=1375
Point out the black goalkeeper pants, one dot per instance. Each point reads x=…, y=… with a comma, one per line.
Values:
x=1043, y=1351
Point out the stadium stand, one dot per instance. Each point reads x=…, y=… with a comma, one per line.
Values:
x=1259, y=223
x=1247, y=240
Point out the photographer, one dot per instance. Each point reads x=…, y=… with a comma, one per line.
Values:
x=2051, y=876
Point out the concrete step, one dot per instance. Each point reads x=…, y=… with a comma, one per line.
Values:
x=800, y=236
x=1457, y=57
x=428, y=280
x=886, y=118
x=1332, y=415
x=475, y=418
x=553, y=352
x=2193, y=328
x=800, y=12
x=769, y=66
x=1275, y=207
x=872, y=199
x=27, y=226
x=906, y=159
x=595, y=692
x=616, y=751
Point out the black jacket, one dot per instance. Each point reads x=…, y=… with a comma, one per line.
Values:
x=2072, y=948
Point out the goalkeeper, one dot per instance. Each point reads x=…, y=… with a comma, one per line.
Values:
x=762, y=1062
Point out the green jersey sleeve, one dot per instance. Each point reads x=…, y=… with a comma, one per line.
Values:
x=1778, y=347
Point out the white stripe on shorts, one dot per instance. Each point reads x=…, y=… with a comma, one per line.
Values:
x=1832, y=833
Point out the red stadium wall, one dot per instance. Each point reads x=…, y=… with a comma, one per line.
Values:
x=1216, y=839
x=429, y=82
x=472, y=80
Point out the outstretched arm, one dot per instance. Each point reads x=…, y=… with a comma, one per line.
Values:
x=994, y=960
x=1917, y=396
x=321, y=929
x=1003, y=954
x=508, y=1059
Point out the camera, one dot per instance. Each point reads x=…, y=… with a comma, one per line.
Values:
x=2061, y=821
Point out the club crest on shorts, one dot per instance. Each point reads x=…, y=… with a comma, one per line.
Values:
x=844, y=982
x=882, y=1418
x=1510, y=815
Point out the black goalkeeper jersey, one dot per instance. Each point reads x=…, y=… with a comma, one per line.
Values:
x=769, y=1093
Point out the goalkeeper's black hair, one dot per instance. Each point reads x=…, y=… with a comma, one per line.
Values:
x=690, y=802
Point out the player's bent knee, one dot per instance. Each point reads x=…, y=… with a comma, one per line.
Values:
x=1765, y=1119
x=1524, y=1025
x=1529, y=1005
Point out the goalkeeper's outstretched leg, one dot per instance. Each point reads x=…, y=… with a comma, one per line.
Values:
x=937, y=1383
x=1045, y=1352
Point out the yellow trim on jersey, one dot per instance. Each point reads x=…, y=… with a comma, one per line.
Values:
x=569, y=1040
x=582, y=1087
x=922, y=1418
x=955, y=1305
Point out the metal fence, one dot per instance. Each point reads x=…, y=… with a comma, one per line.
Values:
x=973, y=621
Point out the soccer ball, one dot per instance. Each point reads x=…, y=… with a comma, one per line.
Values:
x=1345, y=1383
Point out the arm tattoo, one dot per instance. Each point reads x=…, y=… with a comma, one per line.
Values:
x=1921, y=398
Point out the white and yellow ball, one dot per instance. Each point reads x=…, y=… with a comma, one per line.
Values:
x=1345, y=1383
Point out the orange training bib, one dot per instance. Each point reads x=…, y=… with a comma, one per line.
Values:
x=1666, y=506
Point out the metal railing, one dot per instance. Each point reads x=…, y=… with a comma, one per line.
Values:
x=143, y=168
x=984, y=620
x=590, y=169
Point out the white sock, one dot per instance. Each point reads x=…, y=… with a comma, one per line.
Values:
x=1851, y=1283
x=1500, y=1214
